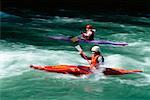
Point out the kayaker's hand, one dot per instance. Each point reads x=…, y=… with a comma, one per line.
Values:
x=92, y=68
x=80, y=52
x=81, y=32
x=78, y=47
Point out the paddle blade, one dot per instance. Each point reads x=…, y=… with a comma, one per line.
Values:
x=78, y=47
x=74, y=39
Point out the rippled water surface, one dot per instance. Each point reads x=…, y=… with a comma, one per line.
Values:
x=24, y=42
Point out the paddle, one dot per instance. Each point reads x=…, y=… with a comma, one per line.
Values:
x=75, y=39
x=78, y=47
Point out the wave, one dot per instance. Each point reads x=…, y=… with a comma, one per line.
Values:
x=18, y=61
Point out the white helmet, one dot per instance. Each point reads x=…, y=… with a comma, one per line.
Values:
x=95, y=49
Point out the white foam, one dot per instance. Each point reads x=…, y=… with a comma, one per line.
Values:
x=139, y=43
x=58, y=19
x=113, y=60
x=69, y=20
x=17, y=62
x=145, y=81
x=146, y=49
x=65, y=76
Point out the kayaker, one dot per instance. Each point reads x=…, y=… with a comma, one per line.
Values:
x=89, y=34
x=96, y=58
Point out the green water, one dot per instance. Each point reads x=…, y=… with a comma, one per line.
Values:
x=24, y=41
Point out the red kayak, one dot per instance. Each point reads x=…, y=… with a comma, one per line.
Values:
x=82, y=70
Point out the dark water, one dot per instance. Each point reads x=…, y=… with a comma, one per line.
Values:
x=24, y=41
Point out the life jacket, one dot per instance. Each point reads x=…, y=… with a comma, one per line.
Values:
x=91, y=37
x=94, y=60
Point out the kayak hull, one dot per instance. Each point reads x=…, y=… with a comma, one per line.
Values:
x=68, y=39
x=82, y=70
x=64, y=69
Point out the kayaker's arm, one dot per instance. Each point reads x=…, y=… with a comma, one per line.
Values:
x=101, y=60
x=78, y=47
x=84, y=56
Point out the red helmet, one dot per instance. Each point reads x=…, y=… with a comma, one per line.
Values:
x=89, y=26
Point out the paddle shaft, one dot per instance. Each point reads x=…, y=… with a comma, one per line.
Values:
x=78, y=47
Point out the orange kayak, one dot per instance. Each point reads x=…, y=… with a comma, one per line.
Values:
x=82, y=70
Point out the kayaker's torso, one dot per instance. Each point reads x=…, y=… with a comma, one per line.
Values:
x=94, y=60
x=88, y=35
